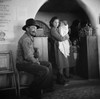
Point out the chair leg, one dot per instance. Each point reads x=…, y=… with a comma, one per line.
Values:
x=16, y=77
x=17, y=86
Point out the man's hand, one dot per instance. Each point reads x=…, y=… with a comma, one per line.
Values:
x=67, y=36
x=37, y=61
x=36, y=53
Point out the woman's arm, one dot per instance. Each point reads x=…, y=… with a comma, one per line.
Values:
x=57, y=36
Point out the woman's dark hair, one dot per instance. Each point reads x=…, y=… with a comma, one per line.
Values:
x=52, y=20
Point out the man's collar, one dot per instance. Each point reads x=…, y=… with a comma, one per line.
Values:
x=31, y=37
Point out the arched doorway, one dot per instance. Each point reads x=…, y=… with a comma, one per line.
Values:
x=69, y=10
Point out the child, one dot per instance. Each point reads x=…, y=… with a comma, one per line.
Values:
x=75, y=49
x=64, y=48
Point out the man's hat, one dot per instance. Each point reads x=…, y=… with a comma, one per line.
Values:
x=30, y=22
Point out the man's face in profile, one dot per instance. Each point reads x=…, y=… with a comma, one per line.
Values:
x=32, y=30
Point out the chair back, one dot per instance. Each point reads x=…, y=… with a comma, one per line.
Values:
x=6, y=69
x=5, y=60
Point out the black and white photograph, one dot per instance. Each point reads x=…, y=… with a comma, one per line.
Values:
x=50, y=49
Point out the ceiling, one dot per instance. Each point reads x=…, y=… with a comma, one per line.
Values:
x=62, y=6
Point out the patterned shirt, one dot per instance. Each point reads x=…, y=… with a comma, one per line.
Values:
x=25, y=51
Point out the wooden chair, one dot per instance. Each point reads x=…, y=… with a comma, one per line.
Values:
x=23, y=82
x=8, y=78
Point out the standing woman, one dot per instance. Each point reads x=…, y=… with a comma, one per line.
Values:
x=55, y=35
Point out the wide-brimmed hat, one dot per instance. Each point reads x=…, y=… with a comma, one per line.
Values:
x=30, y=22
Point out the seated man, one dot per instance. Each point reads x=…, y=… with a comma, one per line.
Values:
x=27, y=61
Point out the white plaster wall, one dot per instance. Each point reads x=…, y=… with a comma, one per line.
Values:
x=25, y=9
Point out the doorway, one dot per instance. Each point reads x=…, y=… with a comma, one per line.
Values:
x=69, y=10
